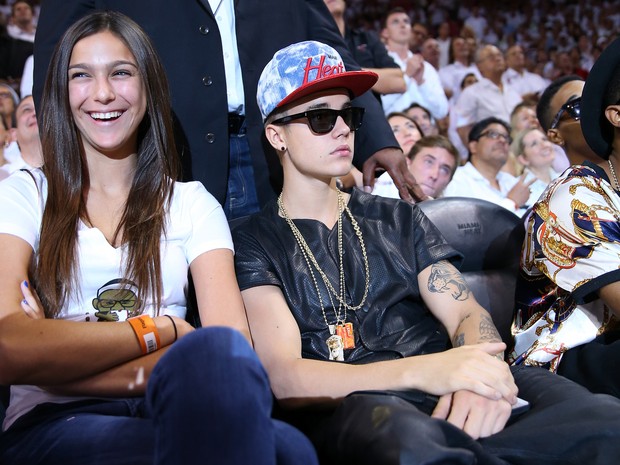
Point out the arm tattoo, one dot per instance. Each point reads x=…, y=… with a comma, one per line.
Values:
x=445, y=278
x=459, y=340
x=488, y=331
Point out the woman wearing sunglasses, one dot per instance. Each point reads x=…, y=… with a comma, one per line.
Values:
x=572, y=247
x=349, y=293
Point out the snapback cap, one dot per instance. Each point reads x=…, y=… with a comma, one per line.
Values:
x=302, y=69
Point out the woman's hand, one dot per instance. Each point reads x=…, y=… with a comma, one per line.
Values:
x=31, y=303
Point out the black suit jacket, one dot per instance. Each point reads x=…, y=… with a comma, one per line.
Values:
x=187, y=38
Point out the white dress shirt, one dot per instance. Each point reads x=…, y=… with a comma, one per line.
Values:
x=469, y=182
x=524, y=83
x=429, y=94
x=224, y=12
x=484, y=99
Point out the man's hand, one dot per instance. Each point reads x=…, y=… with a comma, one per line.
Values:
x=471, y=368
x=415, y=68
x=476, y=415
x=393, y=161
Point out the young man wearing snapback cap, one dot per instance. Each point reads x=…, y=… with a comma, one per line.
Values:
x=354, y=305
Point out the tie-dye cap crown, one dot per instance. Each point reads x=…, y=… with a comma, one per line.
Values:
x=304, y=68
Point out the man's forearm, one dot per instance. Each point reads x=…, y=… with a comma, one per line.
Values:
x=475, y=327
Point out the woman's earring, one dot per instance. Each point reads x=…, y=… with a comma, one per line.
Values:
x=283, y=148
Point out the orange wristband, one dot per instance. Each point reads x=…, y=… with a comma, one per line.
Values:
x=146, y=332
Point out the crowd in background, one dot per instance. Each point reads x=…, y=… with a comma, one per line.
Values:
x=556, y=35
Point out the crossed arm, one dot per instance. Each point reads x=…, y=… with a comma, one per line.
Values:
x=103, y=359
x=470, y=368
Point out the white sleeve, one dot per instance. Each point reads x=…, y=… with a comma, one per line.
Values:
x=25, y=87
x=21, y=207
x=432, y=94
x=202, y=213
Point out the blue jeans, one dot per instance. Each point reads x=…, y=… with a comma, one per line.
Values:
x=208, y=401
x=241, y=197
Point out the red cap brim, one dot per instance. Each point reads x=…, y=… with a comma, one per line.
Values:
x=356, y=82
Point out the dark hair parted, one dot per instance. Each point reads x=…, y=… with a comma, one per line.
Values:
x=405, y=115
x=478, y=128
x=543, y=107
x=157, y=165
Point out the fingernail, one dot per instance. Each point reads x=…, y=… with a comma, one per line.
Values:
x=24, y=302
x=367, y=189
x=26, y=283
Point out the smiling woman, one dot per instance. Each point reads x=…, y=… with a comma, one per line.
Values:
x=536, y=153
x=106, y=97
x=113, y=237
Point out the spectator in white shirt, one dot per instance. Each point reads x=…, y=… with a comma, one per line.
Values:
x=431, y=52
x=423, y=84
x=528, y=85
x=489, y=97
x=461, y=64
x=431, y=159
x=445, y=40
x=22, y=24
x=481, y=177
x=476, y=21
x=26, y=134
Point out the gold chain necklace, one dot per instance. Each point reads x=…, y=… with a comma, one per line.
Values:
x=613, y=174
x=336, y=343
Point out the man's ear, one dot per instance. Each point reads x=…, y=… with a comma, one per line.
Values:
x=555, y=137
x=275, y=136
x=612, y=113
x=473, y=147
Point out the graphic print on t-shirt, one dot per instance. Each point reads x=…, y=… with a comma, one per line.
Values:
x=116, y=300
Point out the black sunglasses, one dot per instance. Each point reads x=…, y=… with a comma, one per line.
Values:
x=572, y=107
x=323, y=120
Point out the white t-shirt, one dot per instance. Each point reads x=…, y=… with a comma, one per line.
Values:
x=195, y=224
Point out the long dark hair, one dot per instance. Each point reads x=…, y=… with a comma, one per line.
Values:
x=143, y=219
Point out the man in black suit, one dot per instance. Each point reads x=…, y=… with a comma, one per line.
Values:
x=189, y=41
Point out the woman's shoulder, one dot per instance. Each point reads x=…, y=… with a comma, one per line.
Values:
x=24, y=181
x=192, y=192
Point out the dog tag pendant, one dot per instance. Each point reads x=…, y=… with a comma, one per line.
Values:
x=345, y=331
x=336, y=348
